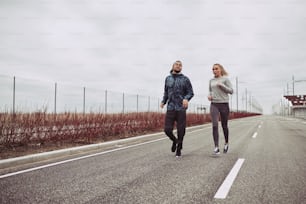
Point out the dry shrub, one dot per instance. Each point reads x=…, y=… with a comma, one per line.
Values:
x=23, y=129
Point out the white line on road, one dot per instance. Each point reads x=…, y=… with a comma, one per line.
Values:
x=229, y=180
x=254, y=135
x=75, y=159
x=83, y=157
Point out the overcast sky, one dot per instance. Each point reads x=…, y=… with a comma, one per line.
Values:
x=130, y=45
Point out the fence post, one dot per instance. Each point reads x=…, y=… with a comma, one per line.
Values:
x=84, y=100
x=148, y=103
x=105, y=102
x=14, y=92
x=55, y=93
x=122, y=102
x=137, y=103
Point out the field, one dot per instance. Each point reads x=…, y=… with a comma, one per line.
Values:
x=26, y=133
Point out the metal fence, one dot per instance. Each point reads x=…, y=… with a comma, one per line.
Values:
x=28, y=95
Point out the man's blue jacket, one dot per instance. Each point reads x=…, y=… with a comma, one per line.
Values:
x=177, y=88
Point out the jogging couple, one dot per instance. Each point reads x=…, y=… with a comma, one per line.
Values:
x=177, y=94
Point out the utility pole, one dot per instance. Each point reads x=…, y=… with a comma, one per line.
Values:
x=246, y=100
x=237, y=92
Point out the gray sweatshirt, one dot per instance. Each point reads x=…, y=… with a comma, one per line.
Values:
x=220, y=92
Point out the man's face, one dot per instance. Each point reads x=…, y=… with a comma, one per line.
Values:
x=177, y=67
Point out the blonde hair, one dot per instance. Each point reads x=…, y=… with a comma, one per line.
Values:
x=223, y=71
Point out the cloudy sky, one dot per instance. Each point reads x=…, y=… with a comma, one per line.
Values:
x=130, y=45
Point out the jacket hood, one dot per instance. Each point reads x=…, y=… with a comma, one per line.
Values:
x=175, y=74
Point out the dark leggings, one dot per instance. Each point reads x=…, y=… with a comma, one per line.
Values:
x=180, y=118
x=223, y=110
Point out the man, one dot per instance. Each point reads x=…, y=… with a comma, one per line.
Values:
x=177, y=93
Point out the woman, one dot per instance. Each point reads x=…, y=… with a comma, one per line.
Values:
x=219, y=88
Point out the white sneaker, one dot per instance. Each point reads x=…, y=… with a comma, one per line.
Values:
x=225, y=148
x=216, y=150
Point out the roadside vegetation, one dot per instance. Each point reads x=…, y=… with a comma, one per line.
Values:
x=39, y=130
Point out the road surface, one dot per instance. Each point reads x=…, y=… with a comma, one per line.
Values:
x=266, y=163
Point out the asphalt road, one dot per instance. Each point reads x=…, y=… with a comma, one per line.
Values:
x=273, y=151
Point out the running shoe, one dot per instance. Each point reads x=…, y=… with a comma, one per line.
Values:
x=178, y=152
x=225, y=148
x=216, y=150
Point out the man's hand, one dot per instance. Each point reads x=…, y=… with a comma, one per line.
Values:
x=162, y=105
x=185, y=103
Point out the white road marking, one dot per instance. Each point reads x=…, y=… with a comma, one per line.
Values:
x=254, y=135
x=75, y=159
x=229, y=180
x=83, y=157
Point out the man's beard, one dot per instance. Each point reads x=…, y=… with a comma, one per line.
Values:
x=177, y=71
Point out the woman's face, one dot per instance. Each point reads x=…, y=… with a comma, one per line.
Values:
x=216, y=70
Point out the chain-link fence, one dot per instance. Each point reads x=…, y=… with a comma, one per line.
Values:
x=28, y=95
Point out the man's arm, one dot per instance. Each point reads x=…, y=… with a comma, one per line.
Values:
x=165, y=96
x=189, y=92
